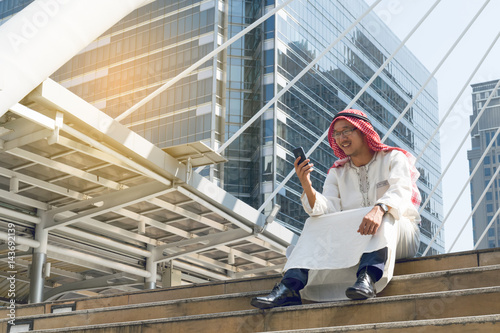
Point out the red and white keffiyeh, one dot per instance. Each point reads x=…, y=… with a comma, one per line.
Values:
x=373, y=140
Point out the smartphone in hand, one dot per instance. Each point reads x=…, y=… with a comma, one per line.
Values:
x=299, y=152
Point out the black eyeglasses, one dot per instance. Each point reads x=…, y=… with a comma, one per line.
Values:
x=346, y=132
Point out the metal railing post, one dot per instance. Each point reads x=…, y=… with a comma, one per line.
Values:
x=38, y=262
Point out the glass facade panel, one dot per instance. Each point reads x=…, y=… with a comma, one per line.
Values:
x=10, y=7
x=481, y=136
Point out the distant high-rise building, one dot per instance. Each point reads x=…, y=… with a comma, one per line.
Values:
x=158, y=41
x=481, y=136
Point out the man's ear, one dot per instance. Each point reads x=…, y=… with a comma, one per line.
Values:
x=365, y=138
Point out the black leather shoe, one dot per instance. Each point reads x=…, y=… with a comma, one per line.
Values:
x=281, y=295
x=363, y=288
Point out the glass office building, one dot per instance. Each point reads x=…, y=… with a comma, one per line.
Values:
x=483, y=196
x=160, y=40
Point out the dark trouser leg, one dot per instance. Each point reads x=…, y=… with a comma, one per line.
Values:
x=374, y=262
x=295, y=278
x=285, y=293
x=370, y=270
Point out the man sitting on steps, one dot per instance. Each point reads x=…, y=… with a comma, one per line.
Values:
x=364, y=220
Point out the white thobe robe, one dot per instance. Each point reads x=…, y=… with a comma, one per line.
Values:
x=330, y=246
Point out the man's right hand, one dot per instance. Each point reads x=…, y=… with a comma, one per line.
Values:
x=303, y=171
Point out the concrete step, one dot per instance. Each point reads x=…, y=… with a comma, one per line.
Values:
x=148, y=296
x=454, y=279
x=448, y=261
x=474, y=324
x=391, y=309
x=459, y=260
x=469, y=278
x=134, y=312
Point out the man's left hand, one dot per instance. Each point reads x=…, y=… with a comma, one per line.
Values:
x=371, y=221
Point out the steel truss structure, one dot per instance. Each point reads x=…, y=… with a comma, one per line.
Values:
x=106, y=208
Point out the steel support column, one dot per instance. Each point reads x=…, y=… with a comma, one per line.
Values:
x=39, y=259
x=151, y=267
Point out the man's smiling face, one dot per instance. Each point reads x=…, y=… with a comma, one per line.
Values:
x=352, y=144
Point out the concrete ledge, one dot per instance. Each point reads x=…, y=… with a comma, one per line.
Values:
x=488, y=323
x=455, y=279
x=447, y=261
x=148, y=311
x=146, y=296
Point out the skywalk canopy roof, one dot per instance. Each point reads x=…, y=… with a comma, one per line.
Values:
x=112, y=201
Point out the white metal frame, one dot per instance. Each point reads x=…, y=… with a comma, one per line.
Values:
x=82, y=211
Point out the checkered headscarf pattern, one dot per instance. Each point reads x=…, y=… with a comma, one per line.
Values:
x=373, y=140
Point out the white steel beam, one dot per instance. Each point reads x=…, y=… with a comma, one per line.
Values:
x=209, y=262
x=259, y=270
x=244, y=255
x=199, y=270
x=110, y=230
x=56, y=271
x=42, y=184
x=21, y=250
x=184, y=212
x=21, y=279
x=66, y=168
x=14, y=185
x=125, y=158
x=272, y=245
x=192, y=279
x=90, y=284
x=26, y=139
x=20, y=127
x=53, y=157
x=45, y=35
x=68, y=258
x=104, y=241
x=215, y=209
x=20, y=240
x=4, y=131
x=206, y=239
x=135, y=192
x=157, y=224
x=66, y=176
x=33, y=116
x=19, y=216
x=204, y=243
x=109, y=201
x=17, y=198
x=268, y=244
x=84, y=149
x=93, y=262
x=113, y=231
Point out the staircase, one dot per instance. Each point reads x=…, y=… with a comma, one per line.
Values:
x=457, y=292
